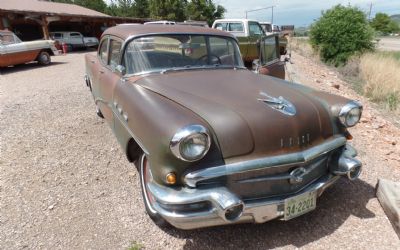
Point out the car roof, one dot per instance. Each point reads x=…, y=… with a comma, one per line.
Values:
x=125, y=31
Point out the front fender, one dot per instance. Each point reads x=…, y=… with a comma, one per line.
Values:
x=152, y=120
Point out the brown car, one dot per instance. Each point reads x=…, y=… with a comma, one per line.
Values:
x=215, y=143
x=13, y=51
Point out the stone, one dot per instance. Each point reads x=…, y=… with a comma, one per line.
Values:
x=388, y=193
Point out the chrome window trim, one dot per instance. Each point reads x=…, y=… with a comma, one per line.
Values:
x=132, y=37
x=191, y=179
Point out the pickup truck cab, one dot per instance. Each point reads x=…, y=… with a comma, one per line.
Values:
x=74, y=39
x=260, y=52
x=248, y=32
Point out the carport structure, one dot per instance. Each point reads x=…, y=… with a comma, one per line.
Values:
x=34, y=19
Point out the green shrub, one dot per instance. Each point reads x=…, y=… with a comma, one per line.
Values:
x=340, y=33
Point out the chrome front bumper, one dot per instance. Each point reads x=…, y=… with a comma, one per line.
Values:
x=221, y=206
x=222, y=200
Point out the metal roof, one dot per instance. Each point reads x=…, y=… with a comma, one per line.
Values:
x=35, y=6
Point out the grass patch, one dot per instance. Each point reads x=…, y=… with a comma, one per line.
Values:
x=389, y=54
x=303, y=47
x=380, y=74
x=136, y=246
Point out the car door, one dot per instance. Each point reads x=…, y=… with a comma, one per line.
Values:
x=15, y=51
x=256, y=33
x=109, y=78
x=269, y=57
x=98, y=69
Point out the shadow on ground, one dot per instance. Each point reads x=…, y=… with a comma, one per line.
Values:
x=345, y=198
x=25, y=67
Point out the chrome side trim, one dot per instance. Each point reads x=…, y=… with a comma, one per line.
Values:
x=191, y=179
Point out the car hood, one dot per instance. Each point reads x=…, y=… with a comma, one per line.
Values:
x=229, y=101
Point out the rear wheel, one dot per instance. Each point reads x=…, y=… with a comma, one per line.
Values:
x=145, y=178
x=44, y=58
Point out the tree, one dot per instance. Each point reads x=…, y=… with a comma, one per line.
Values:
x=141, y=8
x=340, y=33
x=168, y=9
x=204, y=10
x=97, y=5
x=383, y=23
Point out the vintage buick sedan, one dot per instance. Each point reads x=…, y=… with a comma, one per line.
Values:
x=215, y=143
x=13, y=51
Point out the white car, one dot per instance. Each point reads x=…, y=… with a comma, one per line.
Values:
x=74, y=39
x=13, y=51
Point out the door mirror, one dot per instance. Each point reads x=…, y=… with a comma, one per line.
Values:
x=120, y=70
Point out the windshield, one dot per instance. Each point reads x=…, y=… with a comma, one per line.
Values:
x=180, y=52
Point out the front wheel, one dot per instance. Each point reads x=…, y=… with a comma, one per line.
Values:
x=44, y=58
x=148, y=199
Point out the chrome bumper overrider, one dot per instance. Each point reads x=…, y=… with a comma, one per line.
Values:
x=189, y=208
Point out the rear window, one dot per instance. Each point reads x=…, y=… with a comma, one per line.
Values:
x=57, y=35
x=236, y=27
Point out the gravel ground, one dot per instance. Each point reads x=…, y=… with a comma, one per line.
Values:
x=65, y=183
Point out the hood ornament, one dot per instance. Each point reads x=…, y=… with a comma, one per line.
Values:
x=280, y=104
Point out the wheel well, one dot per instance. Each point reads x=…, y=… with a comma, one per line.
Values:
x=48, y=51
x=133, y=151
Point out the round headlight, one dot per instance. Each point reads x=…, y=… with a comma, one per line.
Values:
x=350, y=114
x=191, y=143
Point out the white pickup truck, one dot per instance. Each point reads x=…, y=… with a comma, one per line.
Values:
x=74, y=39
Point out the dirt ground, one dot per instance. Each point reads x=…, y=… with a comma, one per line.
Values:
x=65, y=183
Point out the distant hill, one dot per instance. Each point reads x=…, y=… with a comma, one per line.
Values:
x=396, y=18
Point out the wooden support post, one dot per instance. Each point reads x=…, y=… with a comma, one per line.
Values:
x=45, y=28
x=1, y=23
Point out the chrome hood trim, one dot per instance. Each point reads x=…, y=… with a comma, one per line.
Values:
x=191, y=179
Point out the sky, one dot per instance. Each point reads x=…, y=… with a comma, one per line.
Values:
x=300, y=12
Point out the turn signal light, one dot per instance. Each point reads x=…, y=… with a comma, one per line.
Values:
x=171, y=178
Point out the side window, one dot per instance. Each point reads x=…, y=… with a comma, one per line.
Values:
x=255, y=29
x=236, y=27
x=103, y=51
x=75, y=35
x=115, y=51
x=269, y=49
x=221, y=26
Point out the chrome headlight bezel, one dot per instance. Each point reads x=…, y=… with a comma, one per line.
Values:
x=346, y=110
x=185, y=133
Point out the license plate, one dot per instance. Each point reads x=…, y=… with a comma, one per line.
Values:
x=300, y=204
